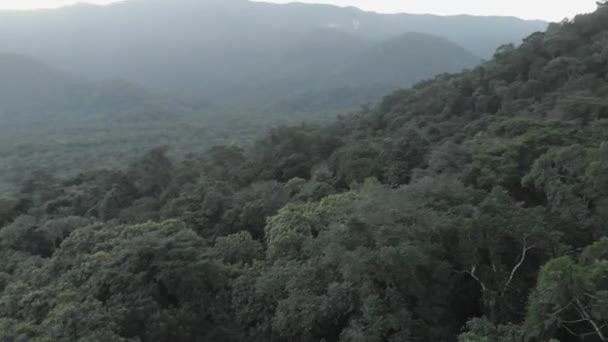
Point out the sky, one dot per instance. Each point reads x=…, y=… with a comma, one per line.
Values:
x=553, y=10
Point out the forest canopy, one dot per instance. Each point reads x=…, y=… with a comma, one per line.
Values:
x=471, y=207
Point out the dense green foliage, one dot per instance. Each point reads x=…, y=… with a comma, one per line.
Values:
x=471, y=208
x=53, y=122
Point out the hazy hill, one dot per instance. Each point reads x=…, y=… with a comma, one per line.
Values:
x=394, y=63
x=31, y=91
x=403, y=60
x=207, y=48
x=30, y=86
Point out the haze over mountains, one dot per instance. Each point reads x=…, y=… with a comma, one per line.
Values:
x=31, y=91
x=236, y=53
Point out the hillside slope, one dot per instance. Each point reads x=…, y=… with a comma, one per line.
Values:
x=362, y=73
x=405, y=60
x=365, y=77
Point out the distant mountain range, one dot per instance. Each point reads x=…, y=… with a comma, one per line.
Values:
x=239, y=53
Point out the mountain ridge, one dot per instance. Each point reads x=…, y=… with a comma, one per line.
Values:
x=204, y=57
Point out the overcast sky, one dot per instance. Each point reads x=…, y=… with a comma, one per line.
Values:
x=530, y=9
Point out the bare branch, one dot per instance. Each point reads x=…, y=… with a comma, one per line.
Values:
x=563, y=308
x=590, y=295
x=574, y=322
x=472, y=274
x=577, y=334
x=598, y=330
x=522, y=258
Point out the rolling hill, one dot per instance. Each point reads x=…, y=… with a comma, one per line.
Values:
x=33, y=91
x=395, y=63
